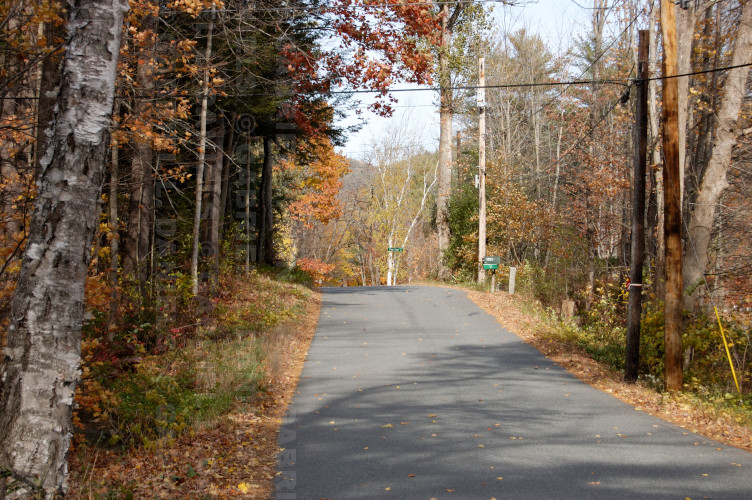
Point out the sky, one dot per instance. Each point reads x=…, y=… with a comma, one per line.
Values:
x=554, y=20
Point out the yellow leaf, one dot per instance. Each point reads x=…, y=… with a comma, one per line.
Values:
x=243, y=487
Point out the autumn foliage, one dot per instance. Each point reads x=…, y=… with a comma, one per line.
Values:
x=321, y=170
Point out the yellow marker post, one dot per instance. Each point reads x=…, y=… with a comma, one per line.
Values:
x=725, y=344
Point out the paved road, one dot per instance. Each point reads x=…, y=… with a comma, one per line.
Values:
x=415, y=393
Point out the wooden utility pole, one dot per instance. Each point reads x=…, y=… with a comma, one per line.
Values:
x=672, y=202
x=481, y=168
x=634, y=307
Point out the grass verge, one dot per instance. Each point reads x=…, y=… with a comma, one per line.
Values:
x=201, y=420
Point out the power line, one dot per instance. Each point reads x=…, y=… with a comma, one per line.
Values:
x=598, y=58
x=624, y=82
x=586, y=133
x=364, y=6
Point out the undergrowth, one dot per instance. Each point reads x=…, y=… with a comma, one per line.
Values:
x=147, y=381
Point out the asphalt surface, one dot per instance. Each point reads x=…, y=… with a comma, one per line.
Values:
x=415, y=393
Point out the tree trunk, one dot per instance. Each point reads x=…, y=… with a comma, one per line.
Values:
x=114, y=231
x=226, y=187
x=212, y=202
x=141, y=206
x=48, y=84
x=201, y=157
x=445, y=142
x=714, y=182
x=265, y=243
x=247, y=207
x=657, y=175
x=598, y=23
x=685, y=28
x=43, y=353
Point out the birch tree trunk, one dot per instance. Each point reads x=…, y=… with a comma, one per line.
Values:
x=657, y=174
x=714, y=181
x=42, y=358
x=201, y=158
x=48, y=84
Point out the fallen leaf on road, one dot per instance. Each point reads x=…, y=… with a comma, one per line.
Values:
x=385, y=426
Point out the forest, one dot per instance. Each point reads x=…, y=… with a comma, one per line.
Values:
x=172, y=175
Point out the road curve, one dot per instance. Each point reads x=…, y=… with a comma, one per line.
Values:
x=415, y=393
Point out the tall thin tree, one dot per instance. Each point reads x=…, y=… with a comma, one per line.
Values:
x=43, y=352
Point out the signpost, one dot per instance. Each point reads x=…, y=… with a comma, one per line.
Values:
x=395, y=249
x=492, y=263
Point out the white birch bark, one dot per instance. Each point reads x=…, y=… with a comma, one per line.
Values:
x=41, y=367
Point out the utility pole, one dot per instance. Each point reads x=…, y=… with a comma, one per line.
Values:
x=481, y=168
x=634, y=307
x=672, y=202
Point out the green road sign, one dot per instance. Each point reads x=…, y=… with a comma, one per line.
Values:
x=395, y=249
x=491, y=262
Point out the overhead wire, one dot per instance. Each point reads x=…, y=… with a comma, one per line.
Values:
x=598, y=58
x=624, y=82
x=357, y=6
